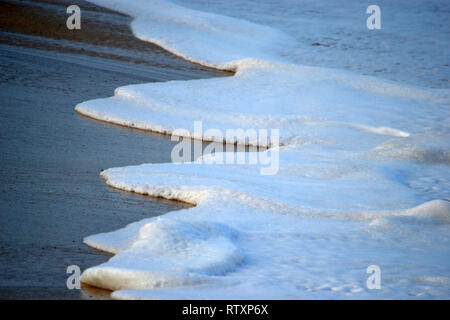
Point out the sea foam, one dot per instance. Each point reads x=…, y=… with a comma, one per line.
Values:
x=363, y=175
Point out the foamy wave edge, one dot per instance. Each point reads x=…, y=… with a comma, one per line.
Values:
x=125, y=270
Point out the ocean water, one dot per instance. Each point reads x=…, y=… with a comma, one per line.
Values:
x=363, y=175
x=411, y=47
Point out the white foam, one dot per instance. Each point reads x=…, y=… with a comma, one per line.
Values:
x=301, y=100
x=169, y=253
x=255, y=236
x=429, y=147
x=348, y=178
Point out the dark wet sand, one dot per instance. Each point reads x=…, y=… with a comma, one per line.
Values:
x=51, y=195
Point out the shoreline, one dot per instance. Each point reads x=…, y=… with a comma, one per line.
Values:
x=240, y=215
x=325, y=168
x=53, y=195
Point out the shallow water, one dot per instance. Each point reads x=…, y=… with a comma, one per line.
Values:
x=51, y=157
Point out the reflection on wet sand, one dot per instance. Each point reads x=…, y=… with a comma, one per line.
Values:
x=52, y=195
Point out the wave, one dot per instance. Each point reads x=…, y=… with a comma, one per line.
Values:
x=251, y=235
x=241, y=227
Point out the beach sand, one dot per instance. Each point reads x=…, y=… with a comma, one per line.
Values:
x=51, y=193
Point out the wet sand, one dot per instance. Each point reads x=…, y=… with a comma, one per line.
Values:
x=51, y=195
